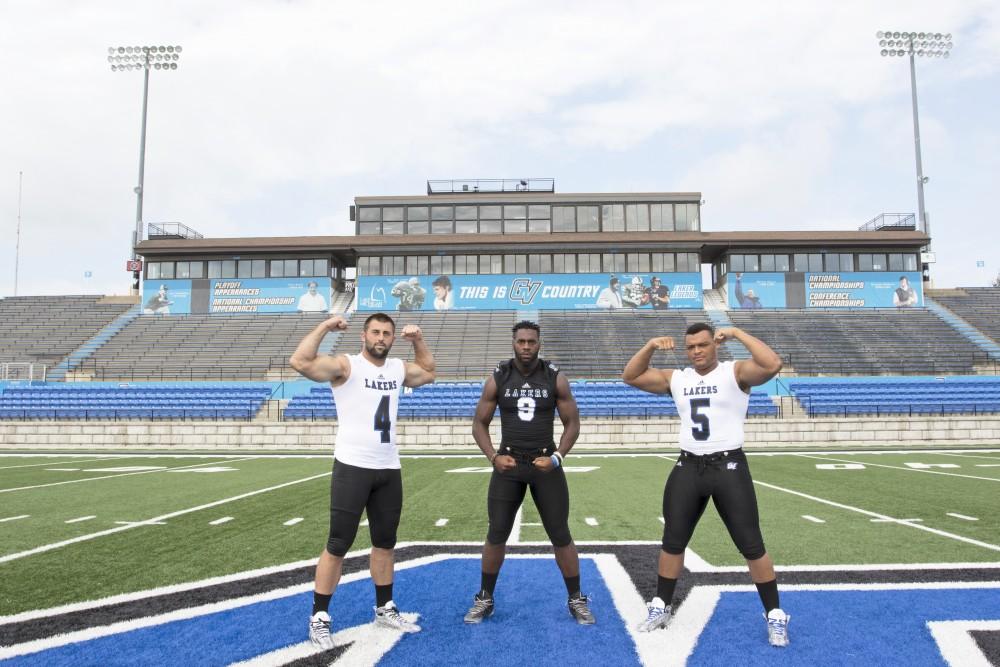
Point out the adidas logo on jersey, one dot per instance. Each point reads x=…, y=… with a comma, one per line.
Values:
x=525, y=386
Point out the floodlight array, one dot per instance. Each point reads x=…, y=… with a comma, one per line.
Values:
x=922, y=44
x=128, y=58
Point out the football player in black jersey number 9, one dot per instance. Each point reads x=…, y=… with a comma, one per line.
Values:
x=528, y=390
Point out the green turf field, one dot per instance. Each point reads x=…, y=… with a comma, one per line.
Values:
x=216, y=515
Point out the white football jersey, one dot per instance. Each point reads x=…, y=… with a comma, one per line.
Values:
x=712, y=408
x=367, y=406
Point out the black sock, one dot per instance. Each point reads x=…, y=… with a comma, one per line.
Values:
x=321, y=602
x=382, y=594
x=768, y=592
x=665, y=589
x=488, y=582
x=572, y=585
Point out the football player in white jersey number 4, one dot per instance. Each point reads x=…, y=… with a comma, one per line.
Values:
x=712, y=399
x=366, y=470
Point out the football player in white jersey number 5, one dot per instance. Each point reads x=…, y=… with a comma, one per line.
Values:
x=366, y=470
x=712, y=399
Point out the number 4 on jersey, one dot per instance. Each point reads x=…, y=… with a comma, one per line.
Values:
x=382, y=422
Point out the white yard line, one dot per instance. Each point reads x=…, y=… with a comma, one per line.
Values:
x=962, y=516
x=876, y=515
x=971, y=456
x=81, y=518
x=60, y=463
x=441, y=522
x=515, y=533
x=809, y=517
x=292, y=522
x=883, y=465
x=124, y=474
x=218, y=522
x=591, y=521
x=15, y=518
x=162, y=517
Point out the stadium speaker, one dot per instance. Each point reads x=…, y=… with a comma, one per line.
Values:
x=353, y=213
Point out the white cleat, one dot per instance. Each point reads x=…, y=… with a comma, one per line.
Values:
x=658, y=615
x=389, y=617
x=319, y=631
x=777, y=627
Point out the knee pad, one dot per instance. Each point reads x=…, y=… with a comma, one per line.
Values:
x=337, y=545
x=673, y=549
x=560, y=536
x=498, y=534
x=383, y=539
x=753, y=551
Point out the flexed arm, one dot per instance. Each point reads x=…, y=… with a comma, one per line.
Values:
x=320, y=367
x=638, y=373
x=421, y=371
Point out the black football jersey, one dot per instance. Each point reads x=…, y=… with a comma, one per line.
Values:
x=527, y=404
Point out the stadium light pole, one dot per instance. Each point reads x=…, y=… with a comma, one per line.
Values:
x=915, y=45
x=145, y=58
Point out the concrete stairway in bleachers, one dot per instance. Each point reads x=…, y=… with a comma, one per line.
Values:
x=961, y=326
x=715, y=308
x=58, y=373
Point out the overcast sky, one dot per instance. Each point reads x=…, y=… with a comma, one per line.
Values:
x=782, y=114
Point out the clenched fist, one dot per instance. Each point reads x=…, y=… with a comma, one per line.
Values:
x=334, y=323
x=411, y=332
x=663, y=343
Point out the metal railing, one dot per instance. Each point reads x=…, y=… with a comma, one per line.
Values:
x=467, y=413
x=490, y=185
x=127, y=414
x=173, y=230
x=894, y=221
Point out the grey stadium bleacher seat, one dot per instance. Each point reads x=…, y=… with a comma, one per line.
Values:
x=979, y=306
x=44, y=329
x=203, y=347
x=861, y=342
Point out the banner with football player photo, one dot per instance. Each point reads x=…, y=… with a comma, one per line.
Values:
x=534, y=291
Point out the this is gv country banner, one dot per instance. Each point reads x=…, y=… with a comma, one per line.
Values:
x=537, y=291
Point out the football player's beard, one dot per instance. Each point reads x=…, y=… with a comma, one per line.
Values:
x=375, y=353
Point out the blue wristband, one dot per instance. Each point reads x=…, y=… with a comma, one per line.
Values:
x=556, y=461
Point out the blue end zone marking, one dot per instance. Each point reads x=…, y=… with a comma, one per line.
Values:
x=531, y=625
x=849, y=627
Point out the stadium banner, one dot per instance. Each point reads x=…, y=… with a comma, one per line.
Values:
x=534, y=291
x=269, y=295
x=166, y=297
x=237, y=295
x=849, y=289
x=870, y=289
x=750, y=291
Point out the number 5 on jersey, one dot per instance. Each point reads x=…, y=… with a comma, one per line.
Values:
x=702, y=432
x=382, y=422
